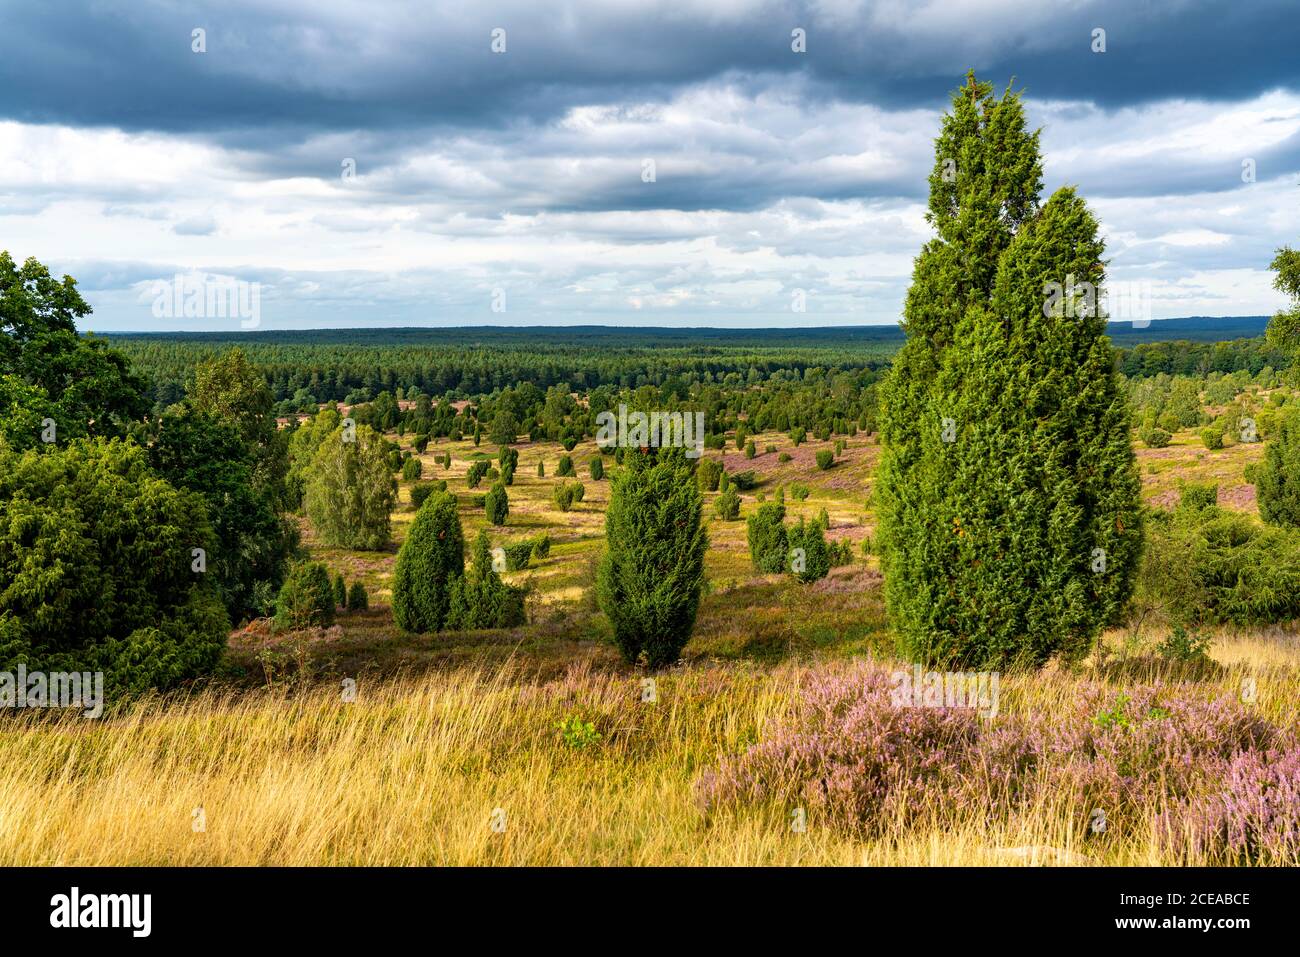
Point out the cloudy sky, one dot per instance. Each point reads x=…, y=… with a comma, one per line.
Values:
x=515, y=187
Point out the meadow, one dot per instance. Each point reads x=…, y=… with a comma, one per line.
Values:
x=359, y=744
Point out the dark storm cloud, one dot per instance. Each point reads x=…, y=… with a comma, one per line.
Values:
x=303, y=67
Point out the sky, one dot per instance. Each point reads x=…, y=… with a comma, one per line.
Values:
x=618, y=162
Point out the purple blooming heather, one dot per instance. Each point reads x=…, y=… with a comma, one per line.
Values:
x=1219, y=778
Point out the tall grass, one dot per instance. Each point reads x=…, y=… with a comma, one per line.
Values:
x=413, y=769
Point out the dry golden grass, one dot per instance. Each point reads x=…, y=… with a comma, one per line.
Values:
x=413, y=769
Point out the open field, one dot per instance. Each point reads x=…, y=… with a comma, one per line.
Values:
x=448, y=730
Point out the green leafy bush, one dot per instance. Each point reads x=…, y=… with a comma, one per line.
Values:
x=825, y=459
x=808, y=556
x=1212, y=437
x=358, y=600
x=480, y=599
x=306, y=598
x=496, y=503
x=766, y=535
x=651, y=576
x=562, y=496
x=565, y=468
x=727, y=505
x=750, y=450
x=411, y=469
x=744, y=481
x=597, y=467
x=430, y=562
x=1278, y=485
x=1155, y=438
x=97, y=568
x=708, y=473
x=1199, y=494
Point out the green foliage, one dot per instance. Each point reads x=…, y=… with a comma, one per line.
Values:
x=306, y=598
x=1278, y=485
x=340, y=591
x=562, y=496
x=1212, y=437
x=744, y=481
x=727, y=505
x=565, y=468
x=421, y=492
x=430, y=562
x=825, y=459
x=1184, y=646
x=652, y=573
x=541, y=469
x=708, y=473
x=542, y=546
x=799, y=492
x=784, y=457
x=497, y=504
x=358, y=600
x=1155, y=438
x=576, y=734
x=797, y=436
x=96, y=568
x=1199, y=494
x=766, y=535
x=477, y=469
x=508, y=459
x=48, y=370
x=480, y=599
x=351, y=491
x=519, y=554
x=1211, y=566
x=411, y=469
x=809, y=556
x=1007, y=461
x=206, y=454
x=597, y=466
x=579, y=491
x=750, y=450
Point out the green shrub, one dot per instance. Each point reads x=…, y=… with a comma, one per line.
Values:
x=825, y=459
x=411, y=469
x=597, y=467
x=430, y=562
x=496, y=504
x=744, y=481
x=340, y=591
x=808, y=556
x=766, y=535
x=1155, y=438
x=708, y=473
x=519, y=554
x=1211, y=566
x=306, y=598
x=480, y=599
x=649, y=581
x=358, y=600
x=541, y=469
x=542, y=546
x=1278, y=485
x=508, y=460
x=420, y=443
x=565, y=468
x=750, y=451
x=96, y=567
x=727, y=505
x=742, y=436
x=797, y=436
x=421, y=492
x=1199, y=495
x=724, y=481
x=476, y=472
x=579, y=491
x=1184, y=646
x=799, y=492
x=1212, y=437
x=562, y=496
x=784, y=457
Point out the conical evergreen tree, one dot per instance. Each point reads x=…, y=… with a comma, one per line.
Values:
x=1009, y=494
x=652, y=573
x=429, y=565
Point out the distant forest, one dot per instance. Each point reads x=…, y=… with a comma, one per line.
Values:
x=349, y=365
